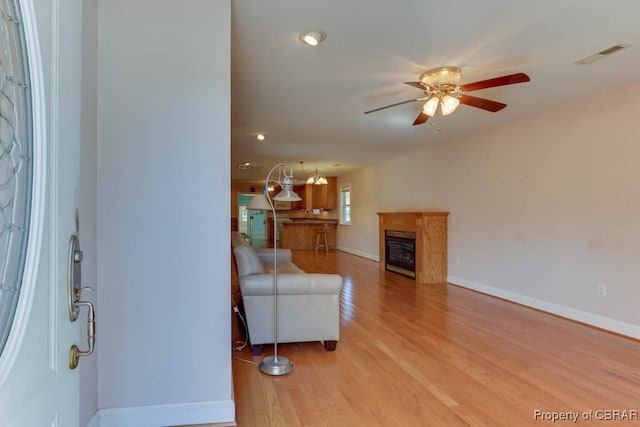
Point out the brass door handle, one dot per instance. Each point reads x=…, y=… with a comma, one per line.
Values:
x=75, y=353
x=74, y=291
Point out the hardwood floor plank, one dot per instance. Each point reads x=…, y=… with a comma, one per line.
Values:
x=434, y=355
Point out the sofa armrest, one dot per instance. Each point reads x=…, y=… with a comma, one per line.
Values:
x=291, y=284
x=266, y=254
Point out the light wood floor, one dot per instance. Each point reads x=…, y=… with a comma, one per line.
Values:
x=413, y=355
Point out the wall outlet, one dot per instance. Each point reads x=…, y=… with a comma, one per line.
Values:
x=602, y=291
x=458, y=261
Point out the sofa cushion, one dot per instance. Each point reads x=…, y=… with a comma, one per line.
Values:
x=283, y=268
x=247, y=260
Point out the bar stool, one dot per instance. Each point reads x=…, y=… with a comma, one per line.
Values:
x=321, y=238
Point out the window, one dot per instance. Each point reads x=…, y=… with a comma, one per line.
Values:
x=345, y=204
x=19, y=181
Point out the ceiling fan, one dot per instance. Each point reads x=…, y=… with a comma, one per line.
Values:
x=441, y=88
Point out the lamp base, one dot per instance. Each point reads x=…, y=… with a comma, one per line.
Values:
x=275, y=365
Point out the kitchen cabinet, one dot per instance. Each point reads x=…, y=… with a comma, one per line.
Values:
x=317, y=196
x=301, y=190
x=326, y=196
x=269, y=232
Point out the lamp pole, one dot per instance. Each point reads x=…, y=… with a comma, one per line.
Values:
x=276, y=364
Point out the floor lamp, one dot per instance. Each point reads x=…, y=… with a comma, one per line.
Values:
x=275, y=365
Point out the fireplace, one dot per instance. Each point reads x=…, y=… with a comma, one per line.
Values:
x=400, y=252
x=414, y=244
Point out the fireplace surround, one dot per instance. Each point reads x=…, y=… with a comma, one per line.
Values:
x=429, y=230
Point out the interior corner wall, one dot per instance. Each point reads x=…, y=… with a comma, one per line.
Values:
x=542, y=210
x=164, y=323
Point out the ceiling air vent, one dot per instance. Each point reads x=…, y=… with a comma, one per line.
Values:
x=249, y=165
x=596, y=56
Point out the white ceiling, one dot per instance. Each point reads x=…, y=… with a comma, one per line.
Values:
x=310, y=101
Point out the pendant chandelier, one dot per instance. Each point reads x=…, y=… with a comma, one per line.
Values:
x=317, y=178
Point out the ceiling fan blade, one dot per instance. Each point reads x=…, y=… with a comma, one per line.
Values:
x=483, y=103
x=392, y=105
x=422, y=117
x=497, y=81
x=419, y=85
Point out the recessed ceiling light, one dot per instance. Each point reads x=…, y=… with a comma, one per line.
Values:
x=312, y=37
x=261, y=137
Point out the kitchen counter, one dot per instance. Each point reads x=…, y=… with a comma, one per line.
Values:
x=309, y=221
x=301, y=234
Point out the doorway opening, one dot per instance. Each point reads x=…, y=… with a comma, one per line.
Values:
x=251, y=223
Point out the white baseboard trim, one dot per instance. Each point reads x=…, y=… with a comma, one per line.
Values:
x=215, y=412
x=358, y=253
x=598, y=321
x=94, y=421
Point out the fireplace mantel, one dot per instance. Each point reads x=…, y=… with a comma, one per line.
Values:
x=431, y=241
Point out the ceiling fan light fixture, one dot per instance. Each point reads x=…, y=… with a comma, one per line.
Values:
x=312, y=37
x=441, y=76
x=431, y=106
x=449, y=104
x=440, y=86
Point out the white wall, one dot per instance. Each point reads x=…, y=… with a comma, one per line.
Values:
x=545, y=209
x=164, y=332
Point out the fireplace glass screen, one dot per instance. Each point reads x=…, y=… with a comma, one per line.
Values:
x=400, y=252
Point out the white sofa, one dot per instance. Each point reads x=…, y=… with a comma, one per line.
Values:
x=308, y=303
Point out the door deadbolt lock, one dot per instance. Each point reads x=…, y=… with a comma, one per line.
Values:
x=77, y=256
x=74, y=277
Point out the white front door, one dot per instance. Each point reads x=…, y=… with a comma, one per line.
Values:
x=37, y=387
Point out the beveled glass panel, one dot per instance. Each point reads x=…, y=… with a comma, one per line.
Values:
x=16, y=165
